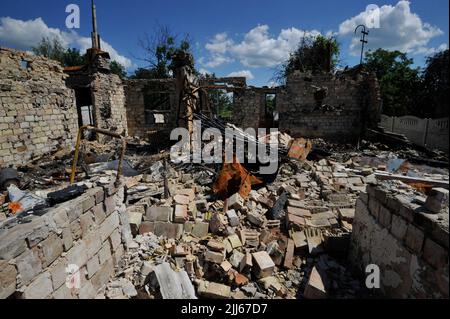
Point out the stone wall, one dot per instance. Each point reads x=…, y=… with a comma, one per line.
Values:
x=138, y=119
x=90, y=233
x=352, y=103
x=431, y=133
x=108, y=97
x=37, y=111
x=249, y=108
x=409, y=245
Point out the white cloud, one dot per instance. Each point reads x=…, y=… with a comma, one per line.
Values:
x=204, y=71
x=431, y=51
x=217, y=60
x=257, y=49
x=400, y=29
x=25, y=34
x=219, y=44
x=244, y=73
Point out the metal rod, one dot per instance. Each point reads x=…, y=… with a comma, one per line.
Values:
x=104, y=132
x=363, y=39
x=75, y=159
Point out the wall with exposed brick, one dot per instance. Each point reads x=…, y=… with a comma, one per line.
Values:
x=138, y=119
x=91, y=232
x=37, y=111
x=409, y=245
x=108, y=96
x=249, y=108
x=351, y=104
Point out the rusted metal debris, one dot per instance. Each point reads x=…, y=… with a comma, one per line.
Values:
x=234, y=178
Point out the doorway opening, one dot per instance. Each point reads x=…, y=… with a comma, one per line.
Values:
x=271, y=114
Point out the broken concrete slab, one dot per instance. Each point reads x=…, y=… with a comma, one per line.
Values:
x=213, y=290
x=181, y=214
x=438, y=200
x=214, y=257
x=200, y=229
x=182, y=200
x=233, y=218
x=263, y=264
x=315, y=289
x=255, y=218
x=315, y=240
x=288, y=258
x=236, y=258
x=299, y=212
x=236, y=202
x=168, y=230
x=347, y=214
x=172, y=284
x=159, y=214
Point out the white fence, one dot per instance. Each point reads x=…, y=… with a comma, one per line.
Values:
x=424, y=132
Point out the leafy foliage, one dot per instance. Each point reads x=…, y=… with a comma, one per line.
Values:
x=406, y=90
x=436, y=83
x=53, y=49
x=158, y=52
x=222, y=102
x=117, y=68
x=311, y=56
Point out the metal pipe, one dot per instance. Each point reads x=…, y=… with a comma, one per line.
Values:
x=77, y=150
x=104, y=132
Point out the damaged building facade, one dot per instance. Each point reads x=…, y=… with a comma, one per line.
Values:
x=37, y=109
x=335, y=106
x=279, y=240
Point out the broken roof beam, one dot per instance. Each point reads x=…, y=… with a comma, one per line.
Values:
x=408, y=179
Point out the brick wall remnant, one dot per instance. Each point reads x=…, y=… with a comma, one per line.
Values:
x=89, y=233
x=109, y=102
x=37, y=111
x=405, y=240
x=150, y=106
x=333, y=106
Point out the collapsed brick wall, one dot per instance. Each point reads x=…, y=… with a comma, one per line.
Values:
x=408, y=245
x=138, y=124
x=90, y=232
x=249, y=108
x=108, y=96
x=37, y=111
x=352, y=103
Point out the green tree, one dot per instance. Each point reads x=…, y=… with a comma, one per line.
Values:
x=53, y=49
x=158, y=52
x=312, y=55
x=400, y=83
x=73, y=57
x=117, y=68
x=222, y=102
x=436, y=85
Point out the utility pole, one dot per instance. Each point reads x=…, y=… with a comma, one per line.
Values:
x=364, y=33
x=95, y=36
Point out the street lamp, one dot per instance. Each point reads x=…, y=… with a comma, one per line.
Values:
x=363, y=40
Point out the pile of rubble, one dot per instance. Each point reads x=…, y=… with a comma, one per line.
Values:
x=288, y=239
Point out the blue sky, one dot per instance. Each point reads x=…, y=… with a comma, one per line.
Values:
x=233, y=37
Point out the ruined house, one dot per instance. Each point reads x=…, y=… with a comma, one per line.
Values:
x=42, y=107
